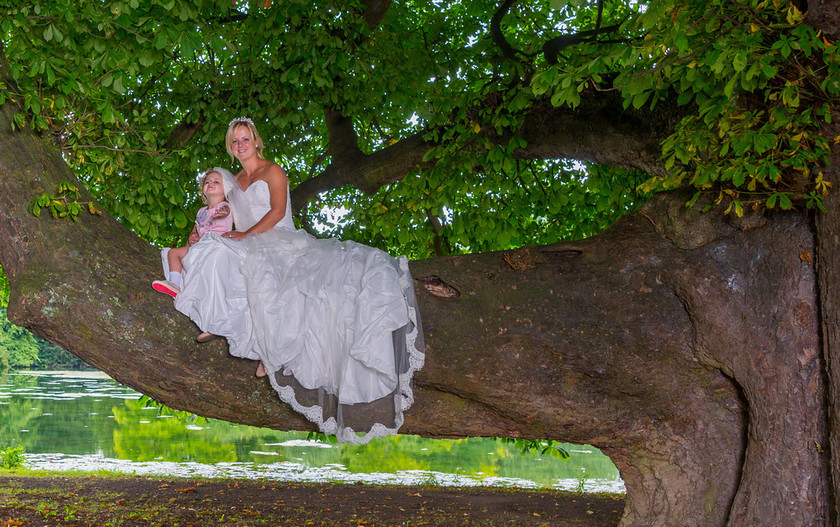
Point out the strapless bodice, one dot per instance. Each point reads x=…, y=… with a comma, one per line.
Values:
x=251, y=204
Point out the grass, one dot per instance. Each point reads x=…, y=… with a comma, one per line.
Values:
x=35, y=498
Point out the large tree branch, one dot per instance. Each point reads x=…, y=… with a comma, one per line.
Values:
x=599, y=130
x=85, y=286
x=366, y=172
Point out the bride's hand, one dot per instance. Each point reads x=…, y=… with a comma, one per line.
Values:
x=234, y=235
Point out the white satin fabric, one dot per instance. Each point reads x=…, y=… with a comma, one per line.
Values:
x=334, y=323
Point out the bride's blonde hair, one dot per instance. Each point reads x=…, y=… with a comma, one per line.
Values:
x=244, y=121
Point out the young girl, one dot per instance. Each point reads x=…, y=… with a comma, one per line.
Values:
x=215, y=217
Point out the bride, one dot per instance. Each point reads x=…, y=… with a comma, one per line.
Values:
x=333, y=324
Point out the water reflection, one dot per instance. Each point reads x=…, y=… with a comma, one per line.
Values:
x=86, y=421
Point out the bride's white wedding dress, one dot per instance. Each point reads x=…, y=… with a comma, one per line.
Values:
x=334, y=323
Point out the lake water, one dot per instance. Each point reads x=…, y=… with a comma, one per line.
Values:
x=87, y=421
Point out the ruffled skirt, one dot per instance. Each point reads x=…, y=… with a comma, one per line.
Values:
x=334, y=323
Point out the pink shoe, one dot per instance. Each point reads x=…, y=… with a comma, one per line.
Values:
x=166, y=287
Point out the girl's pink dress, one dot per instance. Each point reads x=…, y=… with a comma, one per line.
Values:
x=204, y=221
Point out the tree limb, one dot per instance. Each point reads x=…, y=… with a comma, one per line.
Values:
x=374, y=11
x=368, y=172
x=550, y=133
x=343, y=141
x=184, y=132
x=496, y=31
x=553, y=47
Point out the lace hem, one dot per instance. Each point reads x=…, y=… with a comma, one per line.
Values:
x=416, y=356
x=404, y=398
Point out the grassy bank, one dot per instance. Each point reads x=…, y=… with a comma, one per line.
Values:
x=40, y=498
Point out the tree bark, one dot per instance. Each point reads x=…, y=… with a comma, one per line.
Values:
x=824, y=15
x=828, y=254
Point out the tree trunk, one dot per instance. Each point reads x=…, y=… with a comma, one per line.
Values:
x=828, y=256
x=824, y=16
x=684, y=347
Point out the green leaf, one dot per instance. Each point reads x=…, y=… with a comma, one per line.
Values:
x=147, y=58
x=681, y=41
x=740, y=61
x=160, y=40
x=738, y=177
x=785, y=202
x=118, y=84
x=640, y=99
x=180, y=219
x=503, y=238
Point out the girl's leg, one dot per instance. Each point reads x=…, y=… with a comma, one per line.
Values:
x=175, y=266
x=172, y=285
x=175, y=256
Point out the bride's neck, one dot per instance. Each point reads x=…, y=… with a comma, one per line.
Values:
x=250, y=168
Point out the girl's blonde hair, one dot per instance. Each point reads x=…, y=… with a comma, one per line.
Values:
x=244, y=121
x=201, y=180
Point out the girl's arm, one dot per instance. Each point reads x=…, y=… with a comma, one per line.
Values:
x=193, y=239
x=222, y=212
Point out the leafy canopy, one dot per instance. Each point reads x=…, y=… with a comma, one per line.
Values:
x=137, y=95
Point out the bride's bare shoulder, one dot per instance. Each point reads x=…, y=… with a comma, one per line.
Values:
x=273, y=171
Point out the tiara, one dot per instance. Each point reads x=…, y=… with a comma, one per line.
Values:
x=241, y=120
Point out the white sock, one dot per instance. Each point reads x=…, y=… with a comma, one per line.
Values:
x=175, y=278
